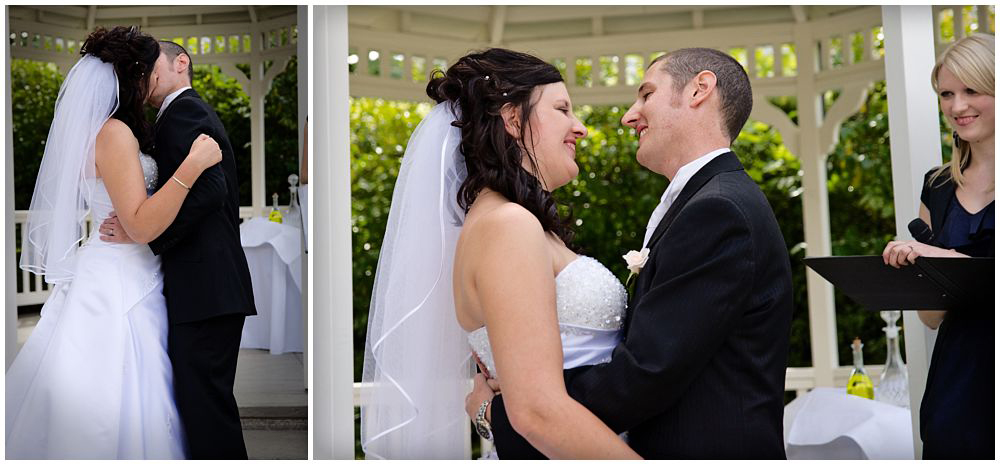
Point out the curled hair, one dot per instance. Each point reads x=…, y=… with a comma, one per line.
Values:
x=482, y=83
x=133, y=55
x=972, y=60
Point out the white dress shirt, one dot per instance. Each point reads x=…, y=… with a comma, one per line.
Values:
x=684, y=174
x=170, y=98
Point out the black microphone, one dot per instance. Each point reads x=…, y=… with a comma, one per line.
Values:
x=921, y=231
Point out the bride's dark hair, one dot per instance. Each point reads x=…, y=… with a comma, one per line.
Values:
x=482, y=83
x=133, y=54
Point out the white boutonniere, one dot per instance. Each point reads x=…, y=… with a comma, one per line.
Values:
x=635, y=260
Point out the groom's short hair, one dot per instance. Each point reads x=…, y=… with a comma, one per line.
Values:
x=736, y=98
x=172, y=50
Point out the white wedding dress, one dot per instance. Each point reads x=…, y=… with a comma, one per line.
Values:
x=590, y=307
x=93, y=381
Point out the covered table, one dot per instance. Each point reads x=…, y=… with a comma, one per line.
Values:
x=274, y=255
x=827, y=423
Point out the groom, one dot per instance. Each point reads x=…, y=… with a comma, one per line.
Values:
x=701, y=370
x=206, y=280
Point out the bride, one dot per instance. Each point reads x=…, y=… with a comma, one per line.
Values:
x=93, y=380
x=476, y=255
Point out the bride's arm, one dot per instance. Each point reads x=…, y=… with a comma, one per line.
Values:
x=118, y=165
x=516, y=289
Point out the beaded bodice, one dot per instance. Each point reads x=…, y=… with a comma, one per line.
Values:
x=590, y=307
x=149, y=173
x=101, y=205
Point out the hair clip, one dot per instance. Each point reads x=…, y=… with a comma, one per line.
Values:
x=487, y=77
x=504, y=94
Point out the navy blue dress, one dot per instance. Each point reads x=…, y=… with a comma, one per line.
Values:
x=956, y=413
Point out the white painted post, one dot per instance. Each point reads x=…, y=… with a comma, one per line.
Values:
x=10, y=295
x=258, y=89
x=302, y=54
x=333, y=367
x=915, y=144
x=815, y=209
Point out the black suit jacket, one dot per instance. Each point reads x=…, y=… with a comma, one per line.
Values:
x=205, y=272
x=701, y=370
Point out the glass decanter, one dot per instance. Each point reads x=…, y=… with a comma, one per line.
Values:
x=294, y=215
x=893, y=384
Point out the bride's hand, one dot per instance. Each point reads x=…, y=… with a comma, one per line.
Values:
x=205, y=152
x=112, y=230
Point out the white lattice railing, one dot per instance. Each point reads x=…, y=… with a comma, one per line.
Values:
x=797, y=379
x=395, y=66
x=32, y=288
x=235, y=42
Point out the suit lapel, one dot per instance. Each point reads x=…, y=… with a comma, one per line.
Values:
x=723, y=163
x=158, y=123
x=186, y=93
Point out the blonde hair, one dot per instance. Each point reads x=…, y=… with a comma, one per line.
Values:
x=972, y=60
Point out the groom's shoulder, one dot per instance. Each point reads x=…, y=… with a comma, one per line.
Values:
x=190, y=99
x=187, y=107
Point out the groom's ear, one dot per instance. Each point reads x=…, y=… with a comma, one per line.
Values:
x=511, y=120
x=182, y=63
x=703, y=86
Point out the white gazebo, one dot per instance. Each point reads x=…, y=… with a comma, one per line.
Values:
x=263, y=37
x=388, y=46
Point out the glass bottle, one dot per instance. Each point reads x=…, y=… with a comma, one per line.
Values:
x=860, y=384
x=294, y=215
x=275, y=213
x=893, y=385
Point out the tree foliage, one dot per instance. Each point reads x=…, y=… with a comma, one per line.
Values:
x=35, y=86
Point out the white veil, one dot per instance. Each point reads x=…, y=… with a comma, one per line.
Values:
x=417, y=359
x=67, y=175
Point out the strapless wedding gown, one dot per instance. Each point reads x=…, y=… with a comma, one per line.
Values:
x=93, y=381
x=590, y=307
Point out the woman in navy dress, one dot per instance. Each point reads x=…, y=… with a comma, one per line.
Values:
x=956, y=413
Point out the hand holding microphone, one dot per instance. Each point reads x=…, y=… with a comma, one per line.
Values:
x=901, y=253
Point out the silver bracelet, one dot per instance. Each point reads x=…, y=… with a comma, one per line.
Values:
x=482, y=426
x=179, y=182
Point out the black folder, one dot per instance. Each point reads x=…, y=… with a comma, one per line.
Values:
x=927, y=284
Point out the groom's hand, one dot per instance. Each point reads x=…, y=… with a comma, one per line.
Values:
x=113, y=231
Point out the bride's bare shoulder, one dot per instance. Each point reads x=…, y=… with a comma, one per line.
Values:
x=506, y=221
x=116, y=132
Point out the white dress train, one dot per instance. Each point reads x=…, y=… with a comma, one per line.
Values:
x=93, y=381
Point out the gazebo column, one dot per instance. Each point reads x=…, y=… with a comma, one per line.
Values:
x=258, y=90
x=256, y=87
x=302, y=52
x=815, y=210
x=333, y=421
x=915, y=144
x=10, y=295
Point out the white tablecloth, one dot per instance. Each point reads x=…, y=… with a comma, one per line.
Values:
x=827, y=423
x=273, y=252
